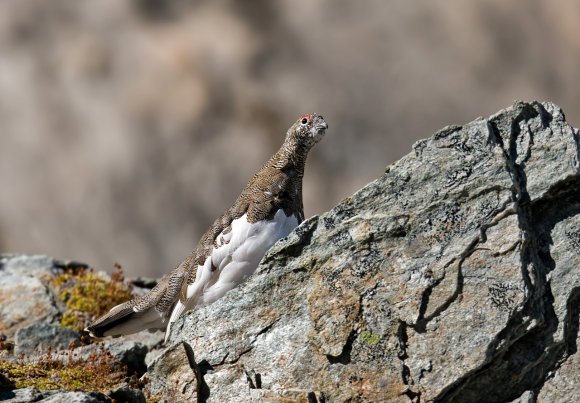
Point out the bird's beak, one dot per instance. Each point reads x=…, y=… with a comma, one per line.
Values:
x=320, y=127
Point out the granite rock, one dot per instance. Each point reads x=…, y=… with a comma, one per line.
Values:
x=173, y=376
x=24, y=296
x=74, y=397
x=29, y=313
x=128, y=352
x=24, y=395
x=27, y=395
x=5, y=383
x=127, y=394
x=39, y=337
x=451, y=278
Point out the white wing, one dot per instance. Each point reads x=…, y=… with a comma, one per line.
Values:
x=235, y=258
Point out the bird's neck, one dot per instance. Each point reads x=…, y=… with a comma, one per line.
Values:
x=292, y=155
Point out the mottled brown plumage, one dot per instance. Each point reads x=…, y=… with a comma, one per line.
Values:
x=276, y=186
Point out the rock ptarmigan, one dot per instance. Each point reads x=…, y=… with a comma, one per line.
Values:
x=268, y=209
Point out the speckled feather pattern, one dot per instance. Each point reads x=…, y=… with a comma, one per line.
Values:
x=276, y=186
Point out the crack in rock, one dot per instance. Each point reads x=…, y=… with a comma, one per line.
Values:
x=344, y=356
x=576, y=136
x=461, y=259
x=528, y=352
x=402, y=337
x=420, y=324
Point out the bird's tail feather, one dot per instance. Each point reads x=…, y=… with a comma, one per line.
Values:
x=146, y=312
x=122, y=320
x=175, y=314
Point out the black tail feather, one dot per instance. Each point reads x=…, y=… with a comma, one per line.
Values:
x=117, y=315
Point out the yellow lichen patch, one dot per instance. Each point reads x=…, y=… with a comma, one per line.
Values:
x=370, y=338
x=87, y=295
x=100, y=371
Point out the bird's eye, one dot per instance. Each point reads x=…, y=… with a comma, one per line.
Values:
x=304, y=120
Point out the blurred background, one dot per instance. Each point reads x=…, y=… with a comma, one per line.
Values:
x=126, y=127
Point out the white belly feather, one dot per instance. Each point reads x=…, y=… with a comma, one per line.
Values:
x=237, y=259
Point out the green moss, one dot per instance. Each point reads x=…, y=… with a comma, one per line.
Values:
x=87, y=296
x=370, y=338
x=99, y=372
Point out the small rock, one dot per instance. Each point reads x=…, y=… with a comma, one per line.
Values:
x=129, y=353
x=75, y=397
x=526, y=397
x=151, y=340
x=289, y=395
x=38, y=337
x=171, y=376
x=152, y=356
x=127, y=394
x=21, y=396
x=5, y=383
x=24, y=300
x=38, y=266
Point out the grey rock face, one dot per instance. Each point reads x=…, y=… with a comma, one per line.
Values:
x=24, y=298
x=453, y=277
x=129, y=352
x=21, y=396
x=127, y=394
x=75, y=397
x=37, y=338
x=173, y=374
x=23, y=265
x=28, y=395
x=28, y=313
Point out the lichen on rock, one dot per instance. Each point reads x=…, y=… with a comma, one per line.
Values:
x=88, y=295
x=451, y=277
x=40, y=358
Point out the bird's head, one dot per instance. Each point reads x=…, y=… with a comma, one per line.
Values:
x=308, y=129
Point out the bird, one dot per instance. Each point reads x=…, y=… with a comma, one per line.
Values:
x=268, y=209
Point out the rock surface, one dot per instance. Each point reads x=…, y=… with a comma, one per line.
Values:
x=28, y=395
x=173, y=375
x=452, y=278
x=29, y=328
x=37, y=338
x=24, y=297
